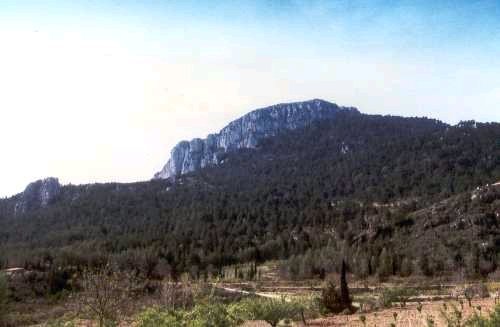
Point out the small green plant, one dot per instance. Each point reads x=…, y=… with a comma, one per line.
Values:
x=155, y=317
x=429, y=320
x=362, y=318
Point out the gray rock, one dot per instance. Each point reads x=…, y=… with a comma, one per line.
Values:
x=246, y=132
x=38, y=194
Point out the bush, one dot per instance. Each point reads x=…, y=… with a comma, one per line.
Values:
x=271, y=311
x=202, y=315
x=332, y=301
x=155, y=317
x=212, y=315
x=330, y=298
x=396, y=295
x=62, y=322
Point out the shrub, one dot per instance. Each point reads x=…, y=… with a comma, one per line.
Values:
x=396, y=295
x=334, y=300
x=155, y=317
x=202, y=315
x=330, y=298
x=270, y=310
x=62, y=322
x=212, y=315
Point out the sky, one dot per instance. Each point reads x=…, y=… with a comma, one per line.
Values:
x=100, y=91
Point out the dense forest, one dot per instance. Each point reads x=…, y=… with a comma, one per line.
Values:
x=392, y=195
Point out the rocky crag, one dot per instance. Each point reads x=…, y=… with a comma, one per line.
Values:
x=38, y=194
x=246, y=132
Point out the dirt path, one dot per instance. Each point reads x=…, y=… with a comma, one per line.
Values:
x=266, y=295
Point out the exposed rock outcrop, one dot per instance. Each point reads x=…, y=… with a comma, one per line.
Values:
x=38, y=194
x=246, y=132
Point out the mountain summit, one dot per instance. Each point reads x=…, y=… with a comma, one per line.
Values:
x=246, y=132
x=38, y=194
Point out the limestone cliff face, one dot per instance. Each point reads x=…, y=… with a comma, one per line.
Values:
x=245, y=132
x=38, y=194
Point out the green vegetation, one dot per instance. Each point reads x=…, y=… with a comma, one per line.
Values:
x=491, y=320
x=334, y=300
x=300, y=196
x=399, y=295
x=454, y=318
x=61, y=322
x=156, y=317
x=217, y=314
x=393, y=197
x=4, y=296
x=270, y=310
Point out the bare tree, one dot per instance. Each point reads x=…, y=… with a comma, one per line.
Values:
x=105, y=294
x=181, y=294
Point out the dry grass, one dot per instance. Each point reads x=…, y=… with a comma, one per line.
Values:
x=406, y=317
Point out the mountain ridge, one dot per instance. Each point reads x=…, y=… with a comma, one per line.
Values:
x=246, y=132
x=315, y=190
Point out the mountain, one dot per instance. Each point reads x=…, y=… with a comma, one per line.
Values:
x=37, y=195
x=246, y=132
x=372, y=188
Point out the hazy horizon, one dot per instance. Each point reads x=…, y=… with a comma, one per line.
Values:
x=100, y=91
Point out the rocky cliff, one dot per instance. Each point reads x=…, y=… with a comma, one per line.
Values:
x=38, y=194
x=245, y=132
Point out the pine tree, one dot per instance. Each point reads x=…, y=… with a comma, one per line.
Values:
x=344, y=289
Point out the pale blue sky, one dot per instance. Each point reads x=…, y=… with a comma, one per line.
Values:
x=101, y=90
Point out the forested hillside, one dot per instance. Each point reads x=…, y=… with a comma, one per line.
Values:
x=373, y=189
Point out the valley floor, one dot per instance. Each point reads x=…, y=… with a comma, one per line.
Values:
x=409, y=316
